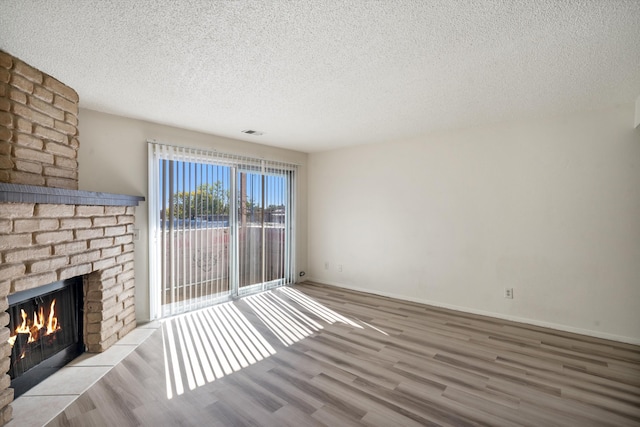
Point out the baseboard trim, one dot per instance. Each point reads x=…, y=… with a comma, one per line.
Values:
x=525, y=320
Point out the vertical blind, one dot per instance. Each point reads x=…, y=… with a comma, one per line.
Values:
x=220, y=225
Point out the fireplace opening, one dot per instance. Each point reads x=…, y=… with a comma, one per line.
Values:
x=45, y=327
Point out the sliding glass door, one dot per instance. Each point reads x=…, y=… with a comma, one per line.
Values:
x=262, y=224
x=192, y=237
x=220, y=226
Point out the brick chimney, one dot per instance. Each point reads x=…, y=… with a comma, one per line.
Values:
x=38, y=127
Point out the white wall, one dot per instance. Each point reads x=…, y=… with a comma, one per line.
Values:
x=550, y=208
x=113, y=158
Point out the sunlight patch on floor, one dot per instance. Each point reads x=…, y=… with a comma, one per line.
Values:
x=316, y=308
x=205, y=345
x=285, y=321
x=208, y=344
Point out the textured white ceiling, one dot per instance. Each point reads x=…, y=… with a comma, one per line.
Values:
x=316, y=75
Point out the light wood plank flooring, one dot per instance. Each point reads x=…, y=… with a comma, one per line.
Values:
x=317, y=355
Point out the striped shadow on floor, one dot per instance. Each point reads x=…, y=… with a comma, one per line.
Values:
x=207, y=344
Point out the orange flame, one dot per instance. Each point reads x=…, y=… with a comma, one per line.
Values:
x=35, y=328
x=52, y=324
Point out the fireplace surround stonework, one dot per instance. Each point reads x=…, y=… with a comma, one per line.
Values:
x=50, y=231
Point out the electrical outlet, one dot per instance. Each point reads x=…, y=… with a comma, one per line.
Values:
x=136, y=234
x=508, y=293
x=326, y=265
x=340, y=267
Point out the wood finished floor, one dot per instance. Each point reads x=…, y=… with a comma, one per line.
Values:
x=335, y=357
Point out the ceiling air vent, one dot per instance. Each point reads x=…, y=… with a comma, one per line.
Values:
x=253, y=132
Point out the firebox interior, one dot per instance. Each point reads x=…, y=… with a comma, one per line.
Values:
x=46, y=331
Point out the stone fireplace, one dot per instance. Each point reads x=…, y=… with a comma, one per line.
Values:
x=50, y=231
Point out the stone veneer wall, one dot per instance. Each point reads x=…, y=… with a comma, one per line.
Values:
x=38, y=127
x=44, y=243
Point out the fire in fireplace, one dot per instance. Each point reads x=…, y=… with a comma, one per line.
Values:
x=46, y=331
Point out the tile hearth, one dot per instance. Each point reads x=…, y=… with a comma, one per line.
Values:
x=42, y=403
